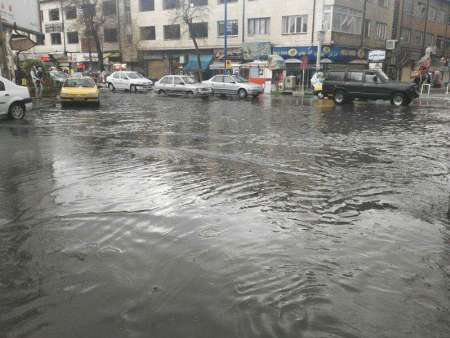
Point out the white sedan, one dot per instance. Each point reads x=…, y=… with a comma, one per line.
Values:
x=132, y=81
x=14, y=100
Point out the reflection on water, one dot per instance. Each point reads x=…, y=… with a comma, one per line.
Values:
x=172, y=217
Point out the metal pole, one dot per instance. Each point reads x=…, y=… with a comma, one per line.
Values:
x=426, y=27
x=243, y=21
x=225, y=41
x=63, y=26
x=119, y=31
x=447, y=23
x=363, y=23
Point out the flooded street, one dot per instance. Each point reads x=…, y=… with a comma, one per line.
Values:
x=169, y=217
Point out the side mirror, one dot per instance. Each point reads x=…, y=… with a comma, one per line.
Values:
x=375, y=79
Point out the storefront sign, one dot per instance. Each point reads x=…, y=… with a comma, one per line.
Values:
x=377, y=55
x=256, y=50
x=334, y=54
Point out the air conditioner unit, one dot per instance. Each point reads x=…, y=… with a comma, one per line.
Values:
x=390, y=44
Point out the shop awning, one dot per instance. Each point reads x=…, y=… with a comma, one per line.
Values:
x=192, y=64
x=221, y=65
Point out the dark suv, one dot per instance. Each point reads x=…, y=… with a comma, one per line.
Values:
x=345, y=86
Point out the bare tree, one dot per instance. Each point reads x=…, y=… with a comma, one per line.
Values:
x=190, y=13
x=91, y=23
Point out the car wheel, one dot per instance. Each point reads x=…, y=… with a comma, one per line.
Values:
x=398, y=99
x=339, y=97
x=242, y=93
x=17, y=111
x=161, y=92
x=190, y=94
x=133, y=89
x=111, y=87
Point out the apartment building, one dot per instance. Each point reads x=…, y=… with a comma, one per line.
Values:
x=418, y=25
x=289, y=28
x=63, y=39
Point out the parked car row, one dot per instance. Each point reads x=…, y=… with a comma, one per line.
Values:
x=184, y=85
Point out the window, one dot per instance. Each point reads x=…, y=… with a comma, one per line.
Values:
x=405, y=36
x=432, y=14
x=148, y=33
x=72, y=37
x=146, y=5
x=440, y=42
x=71, y=13
x=172, y=32
x=199, y=30
x=53, y=14
x=109, y=8
x=258, y=26
x=40, y=39
x=408, y=7
x=421, y=10
x=383, y=3
x=429, y=40
x=326, y=19
x=347, y=20
x=116, y=75
x=228, y=79
x=170, y=4
x=221, y=2
x=167, y=80
x=56, y=38
x=2, y=87
x=217, y=78
x=368, y=28
x=110, y=35
x=381, y=31
x=178, y=80
x=295, y=24
x=198, y=3
x=356, y=76
x=371, y=78
x=418, y=38
x=233, y=28
x=335, y=76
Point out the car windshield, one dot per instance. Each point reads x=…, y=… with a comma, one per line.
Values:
x=382, y=76
x=189, y=80
x=133, y=75
x=239, y=79
x=58, y=74
x=76, y=83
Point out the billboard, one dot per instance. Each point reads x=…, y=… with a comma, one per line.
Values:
x=24, y=13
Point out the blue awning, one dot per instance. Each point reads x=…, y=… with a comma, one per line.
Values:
x=192, y=64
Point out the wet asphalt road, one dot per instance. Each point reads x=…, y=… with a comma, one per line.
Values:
x=167, y=217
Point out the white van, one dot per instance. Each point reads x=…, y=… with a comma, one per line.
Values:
x=14, y=100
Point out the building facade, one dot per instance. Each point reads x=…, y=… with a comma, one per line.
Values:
x=418, y=25
x=63, y=39
x=289, y=28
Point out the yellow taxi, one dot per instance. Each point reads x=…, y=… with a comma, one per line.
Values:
x=79, y=90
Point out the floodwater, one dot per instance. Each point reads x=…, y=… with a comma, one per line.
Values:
x=169, y=217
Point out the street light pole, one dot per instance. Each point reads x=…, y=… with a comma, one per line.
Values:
x=225, y=49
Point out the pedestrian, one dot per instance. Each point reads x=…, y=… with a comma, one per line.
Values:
x=37, y=76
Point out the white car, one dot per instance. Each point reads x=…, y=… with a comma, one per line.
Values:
x=181, y=85
x=132, y=81
x=14, y=100
x=233, y=85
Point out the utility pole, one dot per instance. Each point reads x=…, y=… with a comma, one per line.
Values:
x=363, y=26
x=447, y=23
x=3, y=56
x=225, y=41
x=63, y=26
x=243, y=21
x=426, y=27
x=119, y=30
